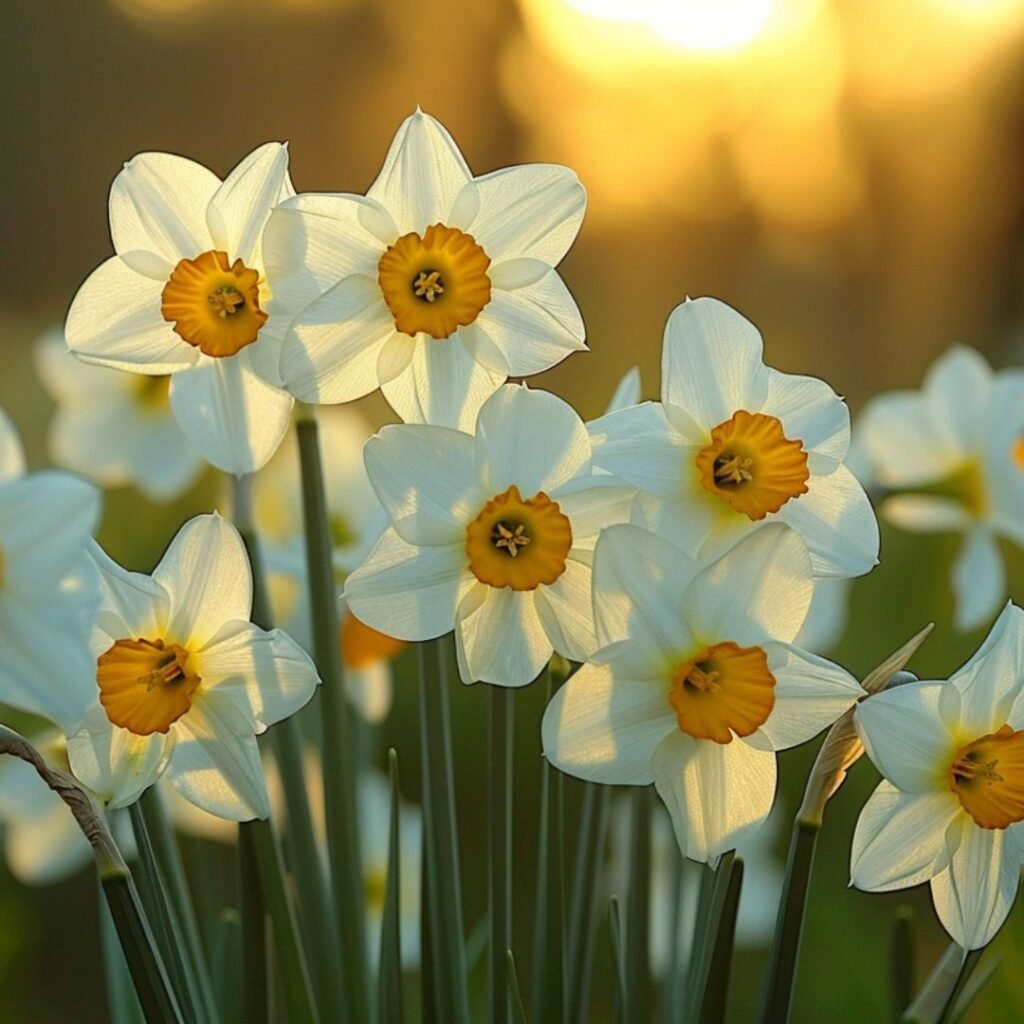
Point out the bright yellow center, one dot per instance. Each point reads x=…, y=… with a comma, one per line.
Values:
x=988, y=777
x=519, y=543
x=1017, y=453
x=214, y=304
x=722, y=690
x=154, y=392
x=435, y=283
x=362, y=645
x=751, y=464
x=145, y=685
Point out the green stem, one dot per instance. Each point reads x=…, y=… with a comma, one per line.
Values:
x=518, y=1009
x=618, y=959
x=638, y=908
x=499, y=810
x=123, y=1003
x=901, y=962
x=717, y=995
x=710, y=910
x=389, y=976
x=253, y=926
x=340, y=761
x=672, y=986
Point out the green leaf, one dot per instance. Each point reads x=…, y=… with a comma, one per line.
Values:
x=618, y=959
x=638, y=912
x=499, y=878
x=518, y=1009
x=124, y=1003
x=252, y=913
x=901, y=962
x=713, y=893
x=717, y=995
x=389, y=976
x=935, y=1001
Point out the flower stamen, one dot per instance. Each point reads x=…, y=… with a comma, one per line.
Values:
x=510, y=539
x=428, y=285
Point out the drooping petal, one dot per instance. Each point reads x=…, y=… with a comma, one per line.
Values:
x=566, y=612
x=900, y=839
x=207, y=576
x=717, y=794
x=811, y=412
x=604, y=728
x=979, y=579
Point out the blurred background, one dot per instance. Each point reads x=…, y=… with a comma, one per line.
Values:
x=846, y=174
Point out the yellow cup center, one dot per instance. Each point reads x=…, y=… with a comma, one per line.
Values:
x=434, y=283
x=214, y=304
x=518, y=543
x=752, y=466
x=145, y=685
x=988, y=777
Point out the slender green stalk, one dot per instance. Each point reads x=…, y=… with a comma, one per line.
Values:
x=499, y=812
x=710, y=910
x=518, y=1009
x=444, y=890
x=934, y=1003
x=672, y=988
x=253, y=926
x=717, y=996
x=618, y=960
x=340, y=762
x=121, y=998
x=901, y=962
x=428, y=969
x=389, y=976
x=970, y=989
x=638, y=911
x=227, y=966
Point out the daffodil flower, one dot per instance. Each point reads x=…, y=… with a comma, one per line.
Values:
x=697, y=684
x=955, y=452
x=184, y=682
x=115, y=427
x=491, y=535
x=734, y=445
x=950, y=809
x=435, y=286
x=187, y=296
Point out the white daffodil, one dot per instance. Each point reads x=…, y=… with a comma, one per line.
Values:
x=696, y=684
x=734, y=445
x=47, y=591
x=435, y=286
x=115, y=427
x=950, y=810
x=184, y=682
x=491, y=535
x=826, y=619
x=357, y=520
x=956, y=451
x=187, y=296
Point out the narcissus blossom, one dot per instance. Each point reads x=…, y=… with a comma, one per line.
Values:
x=697, y=684
x=734, y=445
x=435, y=286
x=491, y=535
x=954, y=452
x=187, y=296
x=184, y=682
x=950, y=810
x=115, y=427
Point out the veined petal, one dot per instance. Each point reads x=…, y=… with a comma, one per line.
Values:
x=158, y=204
x=115, y=321
x=605, y=729
x=566, y=612
x=531, y=439
x=422, y=174
x=424, y=477
x=132, y=605
x=208, y=580
x=811, y=412
x=409, y=592
x=233, y=416
x=530, y=210
x=711, y=362
x=924, y=513
x=979, y=579
x=499, y=637
x=717, y=794
x=900, y=839
x=593, y=504
x=692, y=523
x=990, y=684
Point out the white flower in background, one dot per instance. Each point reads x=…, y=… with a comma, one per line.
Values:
x=696, y=684
x=187, y=296
x=47, y=593
x=826, y=619
x=491, y=535
x=950, y=810
x=115, y=427
x=956, y=448
x=183, y=681
x=435, y=286
x=734, y=445
x=357, y=520
x=627, y=391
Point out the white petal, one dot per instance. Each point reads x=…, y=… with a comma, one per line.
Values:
x=158, y=204
x=717, y=793
x=206, y=574
x=424, y=477
x=593, y=504
x=132, y=605
x=974, y=894
x=1003, y=428
x=979, y=579
x=711, y=362
x=906, y=737
x=115, y=321
x=233, y=416
x=71, y=382
x=533, y=327
x=604, y=729
x=216, y=762
x=826, y=620
x=408, y=592
x=267, y=674
x=162, y=461
x=957, y=388
x=422, y=174
x=640, y=446
x=627, y=391
x=811, y=412
x=810, y=694
x=532, y=210
x=837, y=522
x=692, y=523
x=238, y=211
x=990, y=684
x=499, y=637
x=12, y=455
x=924, y=513
x=900, y=839
x=531, y=439
x=760, y=590
x=394, y=356
x=566, y=612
